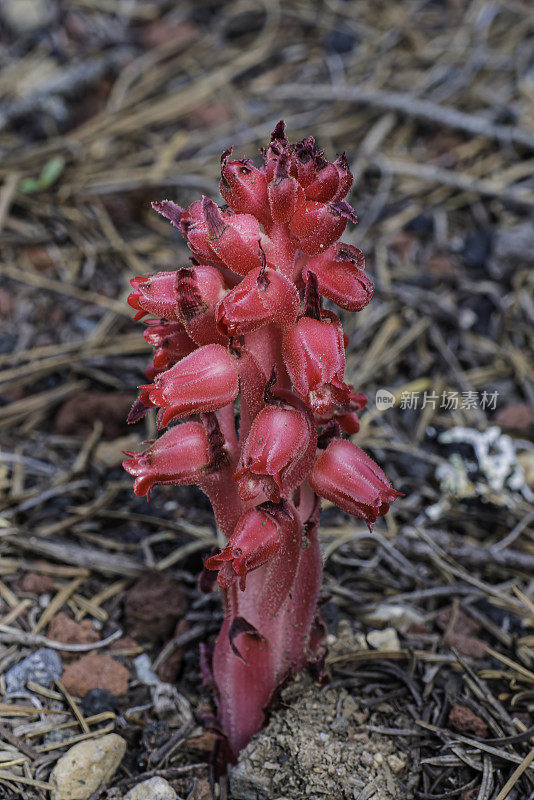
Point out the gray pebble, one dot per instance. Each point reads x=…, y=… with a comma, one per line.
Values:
x=42, y=667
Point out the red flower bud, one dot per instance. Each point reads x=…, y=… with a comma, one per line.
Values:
x=205, y=380
x=244, y=187
x=233, y=238
x=325, y=184
x=263, y=296
x=190, y=217
x=277, y=146
x=285, y=192
x=305, y=152
x=179, y=457
x=348, y=477
x=261, y=534
x=194, y=229
x=345, y=177
x=317, y=225
x=154, y=294
x=340, y=276
x=314, y=355
x=277, y=454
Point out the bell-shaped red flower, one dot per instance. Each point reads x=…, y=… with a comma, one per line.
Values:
x=325, y=184
x=305, y=152
x=263, y=296
x=193, y=227
x=198, y=290
x=205, y=380
x=154, y=294
x=180, y=456
x=348, y=477
x=262, y=534
x=233, y=238
x=314, y=355
x=244, y=187
x=285, y=192
x=345, y=177
x=318, y=225
x=340, y=276
x=277, y=455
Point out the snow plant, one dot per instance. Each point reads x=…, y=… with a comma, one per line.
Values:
x=248, y=380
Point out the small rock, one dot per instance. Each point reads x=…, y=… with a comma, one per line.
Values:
x=153, y=606
x=463, y=719
x=421, y=224
x=42, y=667
x=441, y=264
x=36, y=584
x=461, y=636
x=512, y=248
x=26, y=16
x=400, y=617
x=111, y=454
x=339, y=41
x=97, y=701
x=470, y=646
x=202, y=790
x=77, y=415
x=518, y=416
x=526, y=462
x=170, y=706
x=153, y=789
x=477, y=248
x=340, y=725
x=396, y=764
x=64, y=629
x=125, y=644
x=205, y=742
x=144, y=672
x=94, y=671
x=384, y=640
x=163, y=31
x=86, y=767
x=462, y=622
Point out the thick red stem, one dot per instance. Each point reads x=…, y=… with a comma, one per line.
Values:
x=281, y=647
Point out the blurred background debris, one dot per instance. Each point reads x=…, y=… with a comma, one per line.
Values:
x=105, y=106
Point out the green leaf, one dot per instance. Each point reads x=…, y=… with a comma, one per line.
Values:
x=49, y=175
x=29, y=186
x=51, y=172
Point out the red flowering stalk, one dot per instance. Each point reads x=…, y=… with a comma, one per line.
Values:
x=247, y=320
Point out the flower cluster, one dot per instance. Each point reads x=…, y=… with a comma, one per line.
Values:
x=246, y=322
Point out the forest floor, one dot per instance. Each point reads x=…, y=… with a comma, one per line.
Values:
x=107, y=106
